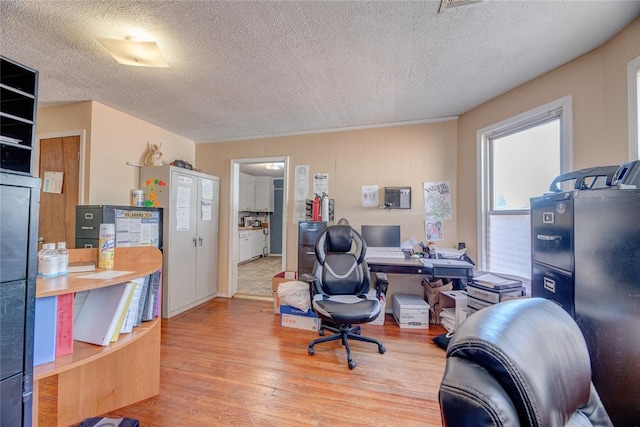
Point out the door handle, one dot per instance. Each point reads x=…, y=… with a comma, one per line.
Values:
x=549, y=284
x=548, y=238
x=195, y=244
x=200, y=239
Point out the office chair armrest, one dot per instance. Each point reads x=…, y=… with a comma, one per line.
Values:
x=382, y=283
x=313, y=283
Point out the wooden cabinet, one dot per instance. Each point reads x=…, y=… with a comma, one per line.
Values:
x=94, y=380
x=190, y=232
x=19, y=201
x=18, y=99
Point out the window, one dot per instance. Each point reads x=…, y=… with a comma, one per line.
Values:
x=633, y=72
x=519, y=158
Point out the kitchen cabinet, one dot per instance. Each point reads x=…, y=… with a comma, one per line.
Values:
x=256, y=194
x=245, y=247
x=247, y=193
x=263, y=200
x=190, y=234
x=257, y=243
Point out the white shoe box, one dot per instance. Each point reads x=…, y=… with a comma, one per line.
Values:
x=410, y=311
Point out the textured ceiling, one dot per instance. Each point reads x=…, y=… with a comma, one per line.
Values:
x=249, y=69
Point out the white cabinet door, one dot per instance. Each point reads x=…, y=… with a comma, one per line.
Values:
x=245, y=247
x=256, y=243
x=247, y=193
x=264, y=196
x=182, y=240
x=207, y=238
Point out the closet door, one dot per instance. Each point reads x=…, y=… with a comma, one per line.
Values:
x=207, y=239
x=183, y=242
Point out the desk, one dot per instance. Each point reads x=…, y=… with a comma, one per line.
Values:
x=439, y=268
x=406, y=274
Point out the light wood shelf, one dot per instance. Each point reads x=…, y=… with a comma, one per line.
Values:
x=94, y=380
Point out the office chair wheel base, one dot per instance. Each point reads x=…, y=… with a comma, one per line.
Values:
x=381, y=349
x=311, y=351
x=352, y=364
x=321, y=332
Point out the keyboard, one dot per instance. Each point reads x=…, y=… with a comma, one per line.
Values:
x=385, y=254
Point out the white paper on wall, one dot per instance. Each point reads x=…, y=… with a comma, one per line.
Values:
x=369, y=196
x=321, y=183
x=52, y=182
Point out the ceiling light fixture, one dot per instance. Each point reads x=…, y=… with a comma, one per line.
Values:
x=134, y=52
x=447, y=4
x=274, y=166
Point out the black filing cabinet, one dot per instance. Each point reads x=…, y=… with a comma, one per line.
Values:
x=552, y=249
x=130, y=221
x=586, y=256
x=308, y=232
x=19, y=202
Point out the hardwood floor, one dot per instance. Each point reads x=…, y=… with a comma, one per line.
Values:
x=229, y=362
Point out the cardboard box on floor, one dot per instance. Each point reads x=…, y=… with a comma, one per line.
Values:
x=283, y=276
x=292, y=317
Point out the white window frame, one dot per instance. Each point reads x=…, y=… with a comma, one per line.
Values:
x=632, y=83
x=520, y=121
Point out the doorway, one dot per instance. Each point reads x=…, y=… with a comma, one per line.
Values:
x=60, y=167
x=238, y=166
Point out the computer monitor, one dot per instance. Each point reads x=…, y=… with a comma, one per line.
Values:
x=382, y=236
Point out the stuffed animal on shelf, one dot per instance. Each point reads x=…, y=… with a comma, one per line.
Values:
x=153, y=155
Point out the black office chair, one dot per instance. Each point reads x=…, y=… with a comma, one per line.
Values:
x=519, y=363
x=339, y=286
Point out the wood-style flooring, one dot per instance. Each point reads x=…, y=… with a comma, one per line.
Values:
x=229, y=362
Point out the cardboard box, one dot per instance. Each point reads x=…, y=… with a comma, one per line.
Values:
x=291, y=317
x=410, y=311
x=283, y=276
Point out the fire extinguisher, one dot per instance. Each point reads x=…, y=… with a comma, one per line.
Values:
x=316, y=208
x=324, y=207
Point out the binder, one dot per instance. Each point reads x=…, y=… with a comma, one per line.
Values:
x=152, y=295
x=44, y=336
x=64, y=325
x=132, y=312
x=143, y=300
x=131, y=286
x=98, y=315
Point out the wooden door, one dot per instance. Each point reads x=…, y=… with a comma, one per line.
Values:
x=58, y=210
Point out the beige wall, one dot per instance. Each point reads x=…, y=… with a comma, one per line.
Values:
x=597, y=82
x=119, y=138
x=387, y=157
x=113, y=138
x=391, y=156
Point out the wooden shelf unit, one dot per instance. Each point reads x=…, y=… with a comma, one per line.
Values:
x=94, y=380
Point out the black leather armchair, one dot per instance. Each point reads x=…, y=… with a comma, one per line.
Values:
x=339, y=285
x=519, y=363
